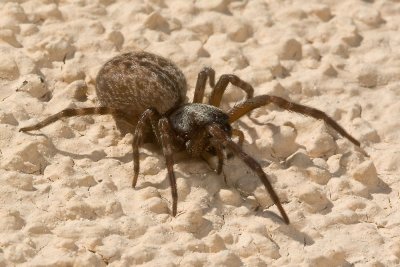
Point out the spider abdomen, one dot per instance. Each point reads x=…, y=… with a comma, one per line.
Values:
x=135, y=81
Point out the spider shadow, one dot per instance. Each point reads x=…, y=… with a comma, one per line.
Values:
x=251, y=131
x=164, y=185
x=288, y=230
x=380, y=188
x=95, y=155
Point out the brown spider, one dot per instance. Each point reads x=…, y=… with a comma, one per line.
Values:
x=143, y=88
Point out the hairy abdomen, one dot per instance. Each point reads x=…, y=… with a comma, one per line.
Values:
x=136, y=81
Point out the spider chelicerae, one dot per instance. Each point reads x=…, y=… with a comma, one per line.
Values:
x=148, y=91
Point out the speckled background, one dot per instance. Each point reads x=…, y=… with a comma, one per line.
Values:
x=65, y=194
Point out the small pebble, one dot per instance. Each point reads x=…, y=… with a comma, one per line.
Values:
x=366, y=173
x=337, y=187
x=215, y=243
x=28, y=29
x=329, y=258
x=7, y=118
x=89, y=259
x=319, y=142
x=151, y=165
x=395, y=248
x=72, y=71
x=217, y=5
x=290, y=49
x=323, y=12
x=369, y=16
x=340, y=49
x=262, y=197
x=15, y=10
x=246, y=185
x=328, y=70
x=224, y=258
x=310, y=51
x=8, y=67
x=19, y=253
x=47, y=12
x=148, y=192
x=77, y=208
x=299, y=159
x=79, y=180
x=365, y=130
x=195, y=49
x=351, y=36
x=313, y=196
x=156, y=205
x=61, y=168
x=57, y=48
x=67, y=244
x=19, y=180
x=189, y=221
x=367, y=76
x=34, y=85
x=11, y=221
x=238, y=31
x=113, y=209
x=246, y=246
x=156, y=21
x=318, y=175
x=8, y=36
x=320, y=162
x=117, y=38
x=284, y=138
x=37, y=228
x=230, y=197
x=195, y=260
x=342, y=217
x=334, y=165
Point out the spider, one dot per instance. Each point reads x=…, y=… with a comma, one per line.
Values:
x=148, y=91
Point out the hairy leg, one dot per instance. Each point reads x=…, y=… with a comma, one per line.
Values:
x=220, y=87
x=220, y=154
x=205, y=73
x=166, y=142
x=148, y=115
x=207, y=157
x=240, y=135
x=245, y=107
x=221, y=136
x=71, y=112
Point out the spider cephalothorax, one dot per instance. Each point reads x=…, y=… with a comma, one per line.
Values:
x=190, y=121
x=146, y=89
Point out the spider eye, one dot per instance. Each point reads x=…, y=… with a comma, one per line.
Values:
x=228, y=129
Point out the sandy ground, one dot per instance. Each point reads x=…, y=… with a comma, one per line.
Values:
x=65, y=195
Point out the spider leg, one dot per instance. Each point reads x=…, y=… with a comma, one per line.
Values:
x=222, y=137
x=240, y=135
x=220, y=154
x=245, y=107
x=220, y=87
x=166, y=142
x=149, y=114
x=71, y=112
x=205, y=73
